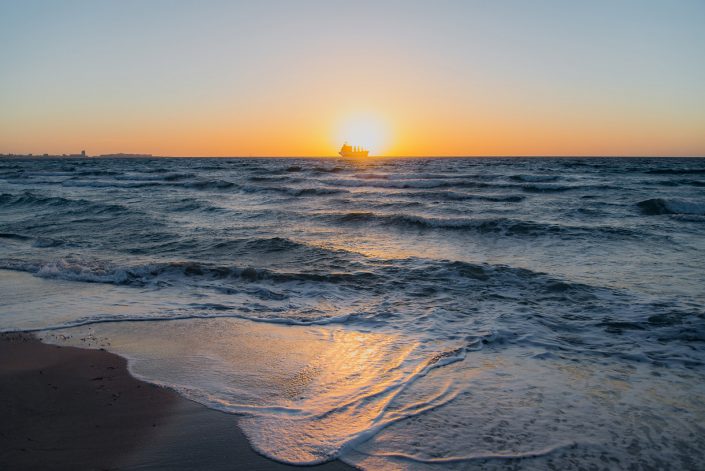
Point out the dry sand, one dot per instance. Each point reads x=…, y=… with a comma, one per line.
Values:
x=78, y=409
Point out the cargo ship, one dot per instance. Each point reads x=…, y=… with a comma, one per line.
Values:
x=353, y=151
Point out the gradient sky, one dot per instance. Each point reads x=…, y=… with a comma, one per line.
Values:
x=612, y=77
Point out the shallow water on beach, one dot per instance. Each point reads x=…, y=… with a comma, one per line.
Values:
x=406, y=313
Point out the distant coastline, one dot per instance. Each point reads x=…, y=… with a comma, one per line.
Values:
x=74, y=156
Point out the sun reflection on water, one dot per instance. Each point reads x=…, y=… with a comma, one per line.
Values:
x=306, y=392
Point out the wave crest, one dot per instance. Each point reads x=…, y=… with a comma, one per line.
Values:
x=658, y=206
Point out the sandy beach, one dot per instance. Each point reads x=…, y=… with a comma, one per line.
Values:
x=72, y=408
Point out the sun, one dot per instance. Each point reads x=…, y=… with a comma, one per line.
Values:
x=365, y=130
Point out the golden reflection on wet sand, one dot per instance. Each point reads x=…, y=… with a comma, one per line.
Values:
x=315, y=389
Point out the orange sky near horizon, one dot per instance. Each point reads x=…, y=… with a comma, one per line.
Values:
x=485, y=127
x=476, y=132
x=271, y=79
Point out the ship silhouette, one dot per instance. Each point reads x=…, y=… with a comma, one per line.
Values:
x=353, y=151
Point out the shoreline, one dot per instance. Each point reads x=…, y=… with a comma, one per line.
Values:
x=76, y=408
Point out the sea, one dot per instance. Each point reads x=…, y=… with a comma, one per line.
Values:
x=425, y=313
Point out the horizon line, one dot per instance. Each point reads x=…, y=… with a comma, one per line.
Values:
x=449, y=156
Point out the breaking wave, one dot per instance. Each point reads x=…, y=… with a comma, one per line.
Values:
x=658, y=206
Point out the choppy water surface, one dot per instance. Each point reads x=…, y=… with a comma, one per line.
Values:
x=411, y=314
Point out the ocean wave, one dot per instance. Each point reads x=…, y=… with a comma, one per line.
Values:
x=506, y=226
x=458, y=196
x=173, y=177
x=386, y=183
x=192, y=204
x=372, y=176
x=259, y=245
x=39, y=242
x=410, y=270
x=311, y=191
x=68, y=173
x=509, y=455
x=548, y=310
x=424, y=183
x=294, y=191
x=12, y=175
x=535, y=178
x=689, y=217
x=273, y=178
x=12, y=236
x=156, y=170
x=675, y=182
x=47, y=242
x=336, y=169
x=102, y=271
x=206, y=312
x=170, y=180
x=676, y=171
x=97, y=173
x=29, y=199
x=659, y=206
x=110, y=183
x=555, y=187
x=208, y=184
x=132, y=177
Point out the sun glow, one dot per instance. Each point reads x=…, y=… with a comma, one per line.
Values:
x=365, y=130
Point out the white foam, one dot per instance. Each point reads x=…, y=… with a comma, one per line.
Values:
x=307, y=393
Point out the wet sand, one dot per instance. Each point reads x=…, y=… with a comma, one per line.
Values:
x=72, y=408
